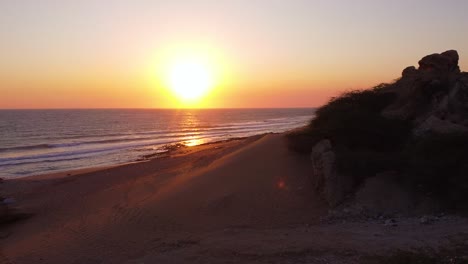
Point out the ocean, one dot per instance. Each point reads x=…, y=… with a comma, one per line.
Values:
x=36, y=142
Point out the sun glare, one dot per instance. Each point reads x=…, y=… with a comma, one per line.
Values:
x=190, y=78
x=191, y=74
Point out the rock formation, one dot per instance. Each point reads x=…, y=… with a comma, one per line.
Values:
x=433, y=98
x=328, y=182
x=443, y=62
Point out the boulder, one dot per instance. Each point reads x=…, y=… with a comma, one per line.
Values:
x=453, y=56
x=326, y=180
x=444, y=62
x=409, y=71
x=323, y=161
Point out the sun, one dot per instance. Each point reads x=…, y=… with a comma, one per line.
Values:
x=190, y=78
x=189, y=74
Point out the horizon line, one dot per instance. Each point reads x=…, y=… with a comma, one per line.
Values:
x=162, y=108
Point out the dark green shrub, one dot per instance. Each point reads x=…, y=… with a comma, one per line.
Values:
x=353, y=120
x=363, y=130
x=365, y=101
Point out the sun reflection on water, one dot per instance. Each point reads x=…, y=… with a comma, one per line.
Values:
x=191, y=122
x=194, y=142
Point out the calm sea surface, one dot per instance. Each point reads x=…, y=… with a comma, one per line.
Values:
x=42, y=141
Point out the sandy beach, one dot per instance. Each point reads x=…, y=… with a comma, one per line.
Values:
x=239, y=201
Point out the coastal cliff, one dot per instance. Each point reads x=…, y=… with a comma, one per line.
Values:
x=406, y=139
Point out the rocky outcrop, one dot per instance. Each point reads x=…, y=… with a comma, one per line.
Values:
x=432, y=99
x=434, y=96
x=444, y=62
x=326, y=180
x=409, y=71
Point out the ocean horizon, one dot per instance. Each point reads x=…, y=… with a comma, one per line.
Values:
x=39, y=141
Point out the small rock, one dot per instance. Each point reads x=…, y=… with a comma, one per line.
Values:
x=9, y=201
x=426, y=220
x=390, y=222
x=423, y=220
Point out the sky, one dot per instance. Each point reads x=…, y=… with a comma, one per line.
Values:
x=265, y=53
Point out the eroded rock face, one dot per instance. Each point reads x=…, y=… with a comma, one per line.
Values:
x=326, y=178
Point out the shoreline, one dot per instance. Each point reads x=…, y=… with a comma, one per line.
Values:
x=143, y=158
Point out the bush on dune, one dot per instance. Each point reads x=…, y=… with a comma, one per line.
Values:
x=366, y=143
x=353, y=120
x=301, y=141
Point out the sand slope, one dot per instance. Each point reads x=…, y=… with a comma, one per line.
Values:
x=122, y=213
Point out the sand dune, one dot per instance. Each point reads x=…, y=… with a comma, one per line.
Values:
x=242, y=201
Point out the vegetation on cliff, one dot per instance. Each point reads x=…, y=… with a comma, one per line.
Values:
x=415, y=127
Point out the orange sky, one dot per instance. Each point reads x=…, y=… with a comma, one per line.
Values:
x=266, y=53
